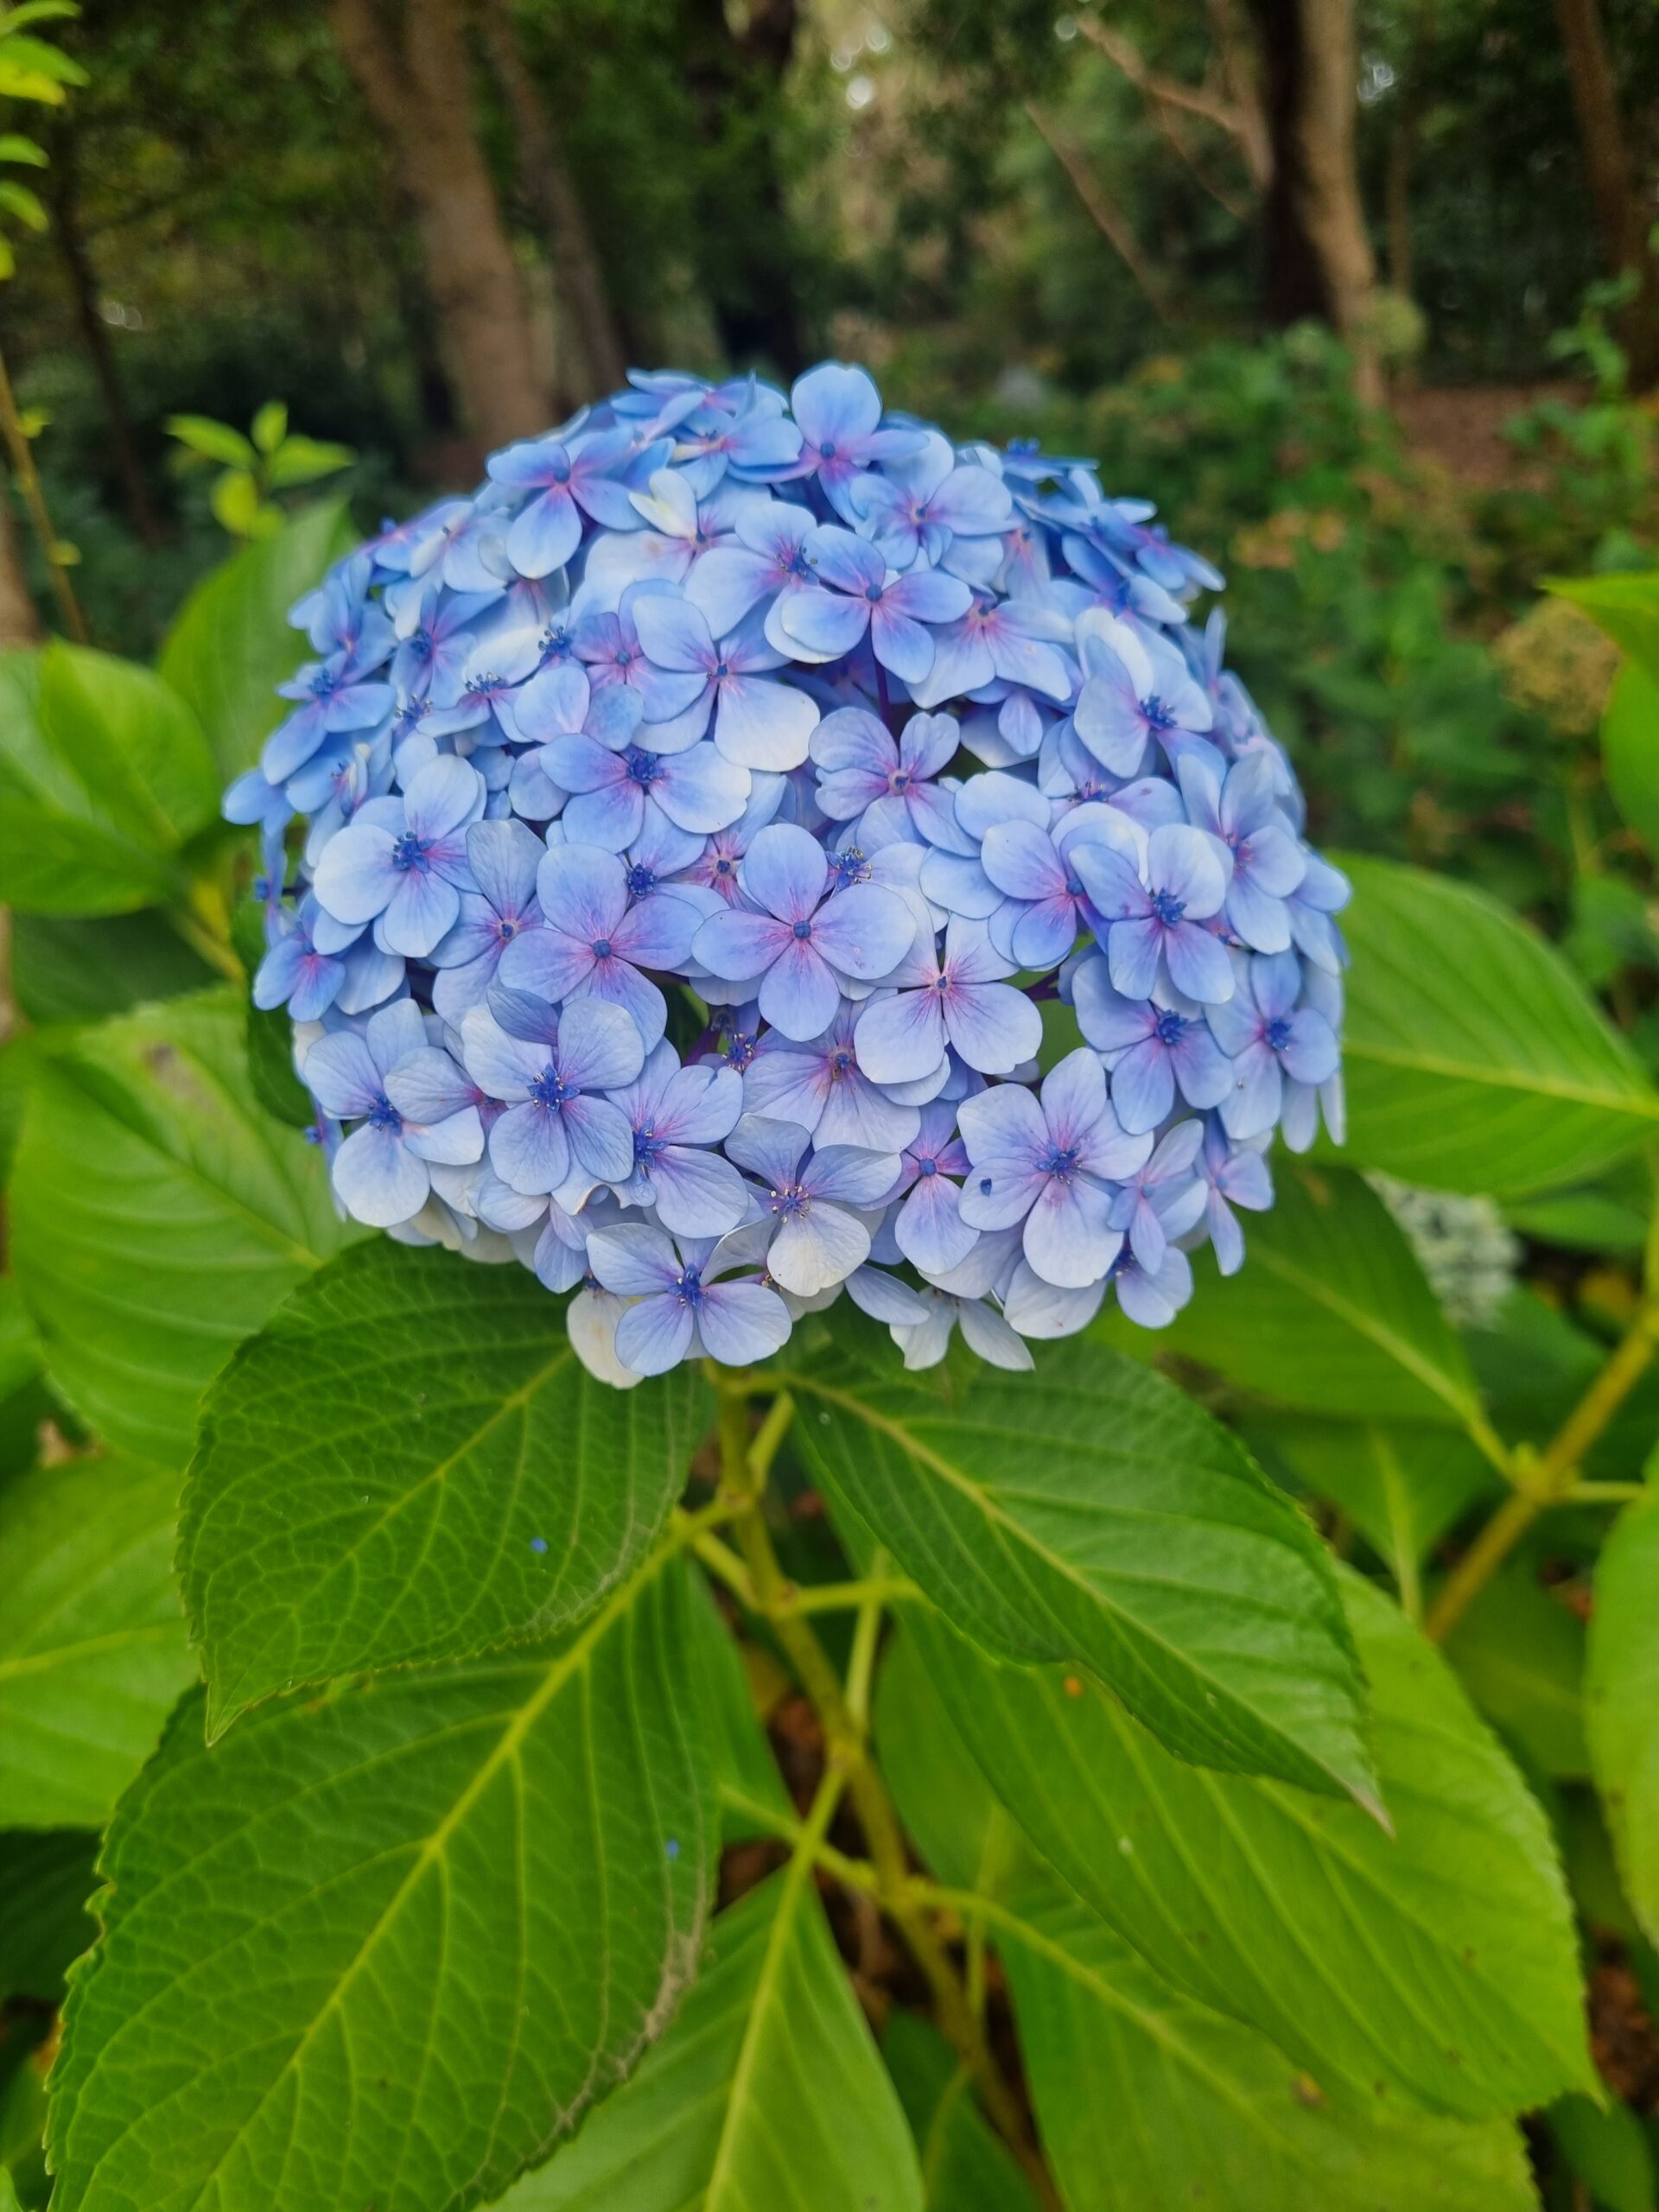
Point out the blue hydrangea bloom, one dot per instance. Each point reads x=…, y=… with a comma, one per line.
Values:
x=671, y=850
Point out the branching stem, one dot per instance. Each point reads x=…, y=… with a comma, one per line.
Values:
x=842, y=1714
x=29, y=483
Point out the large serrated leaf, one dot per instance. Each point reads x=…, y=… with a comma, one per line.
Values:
x=1440, y=1959
x=410, y=1462
x=1220, y=2117
x=1622, y=1700
x=233, y=644
x=768, y=2094
x=387, y=1947
x=1093, y=1513
x=1475, y=1060
x=104, y=775
x=93, y=1648
x=157, y=1216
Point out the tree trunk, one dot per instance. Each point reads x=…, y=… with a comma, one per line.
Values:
x=548, y=186
x=735, y=82
x=1621, y=218
x=412, y=67
x=1319, y=259
x=83, y=285
x=20, y=620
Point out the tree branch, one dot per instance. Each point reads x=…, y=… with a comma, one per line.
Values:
x=1101, y=210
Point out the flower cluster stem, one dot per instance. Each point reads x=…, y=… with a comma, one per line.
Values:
x=842, y=1713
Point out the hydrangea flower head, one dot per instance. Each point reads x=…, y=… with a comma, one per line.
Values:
x=673, y=850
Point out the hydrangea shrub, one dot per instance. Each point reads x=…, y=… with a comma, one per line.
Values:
x=697, y=822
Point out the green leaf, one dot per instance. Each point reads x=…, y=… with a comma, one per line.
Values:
x=1625, y=606
x=157, y=1217
x=103, y=774
x=200, y=434
x=233, y=644
x=1093, y=1513
x=1622, y=1700
x=1474, y=1059
x=46, y=1877
x=270, y=426
x=1520, y=1654
x=305, y=461
x=17, y=200
x=1609, y=2151
x=93, y=1648
x=1220, y=2117
x=1331, y=1311
x=1441, y=1959
x=65, y=969
x=950, y=1811
x=14, y=147
x=1629, y=749
x=408, y=1463
x=20, y=1352
x=1403, y=1488
x=236, y=503
x=387, y=1947
x=965, y=2167
x=767, y=2095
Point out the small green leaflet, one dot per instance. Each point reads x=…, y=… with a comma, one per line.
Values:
x=1441, y=1959
x=1474, y=1058
x=767, y=2095
x=410, y=1462
x=1629, y=748
x=233, y=643
x=1093, y=1513
x=92, y=1648
x=1622, y=1700
x=1624, y=605
x=386, y=1947
x=157, y=1216
x=104, y=774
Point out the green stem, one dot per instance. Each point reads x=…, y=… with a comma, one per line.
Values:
x=743, y=1469
x=1552, y=1477
x=846, y=1596
x=29, y=483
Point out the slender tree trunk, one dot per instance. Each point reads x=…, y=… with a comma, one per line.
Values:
x=548, y=186
x=64, y=176
x=1319, y=252
x=411, y=66
x=20, y=620
x=1622, y=219
x=735, y=82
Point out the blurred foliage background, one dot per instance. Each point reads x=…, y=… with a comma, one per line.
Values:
x=1361, y=294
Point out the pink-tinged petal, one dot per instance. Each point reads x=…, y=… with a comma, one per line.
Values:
x=696, y=1193
x=633, y=1259
x=930, y=1230
x=1020, y=859
x=928, y=595
x=900, y=644
x=854, y=739
x=788, y=1086
x=529, y=1149
x=674, y=634
x=1069, y=1239
x=701, y=791
x=737, y=946
x=600, y=1049
x=655, y=1335
x=865, y=932
x=971, y=502
x=817, y=1249
x=742, y=1322
x=835, y=405
x=611, y=817
x=1184, y=862
x=823, y=625
x=993, y=1027
x=376, y=1179
x=759, y=724
x=341, y=1076
x=421, y=911
x=658, y=931
x=1143, y=1085
x=1044, y=934
x=1132, y=952
x=785, y=870
x=1074, y=1097
x=900, y=1040
x=799, y=992
x=1198, y=963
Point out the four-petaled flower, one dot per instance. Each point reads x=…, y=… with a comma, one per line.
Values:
x=402, y=862
x=547, y=1068
x=381, y=1171
x=681, y=1306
